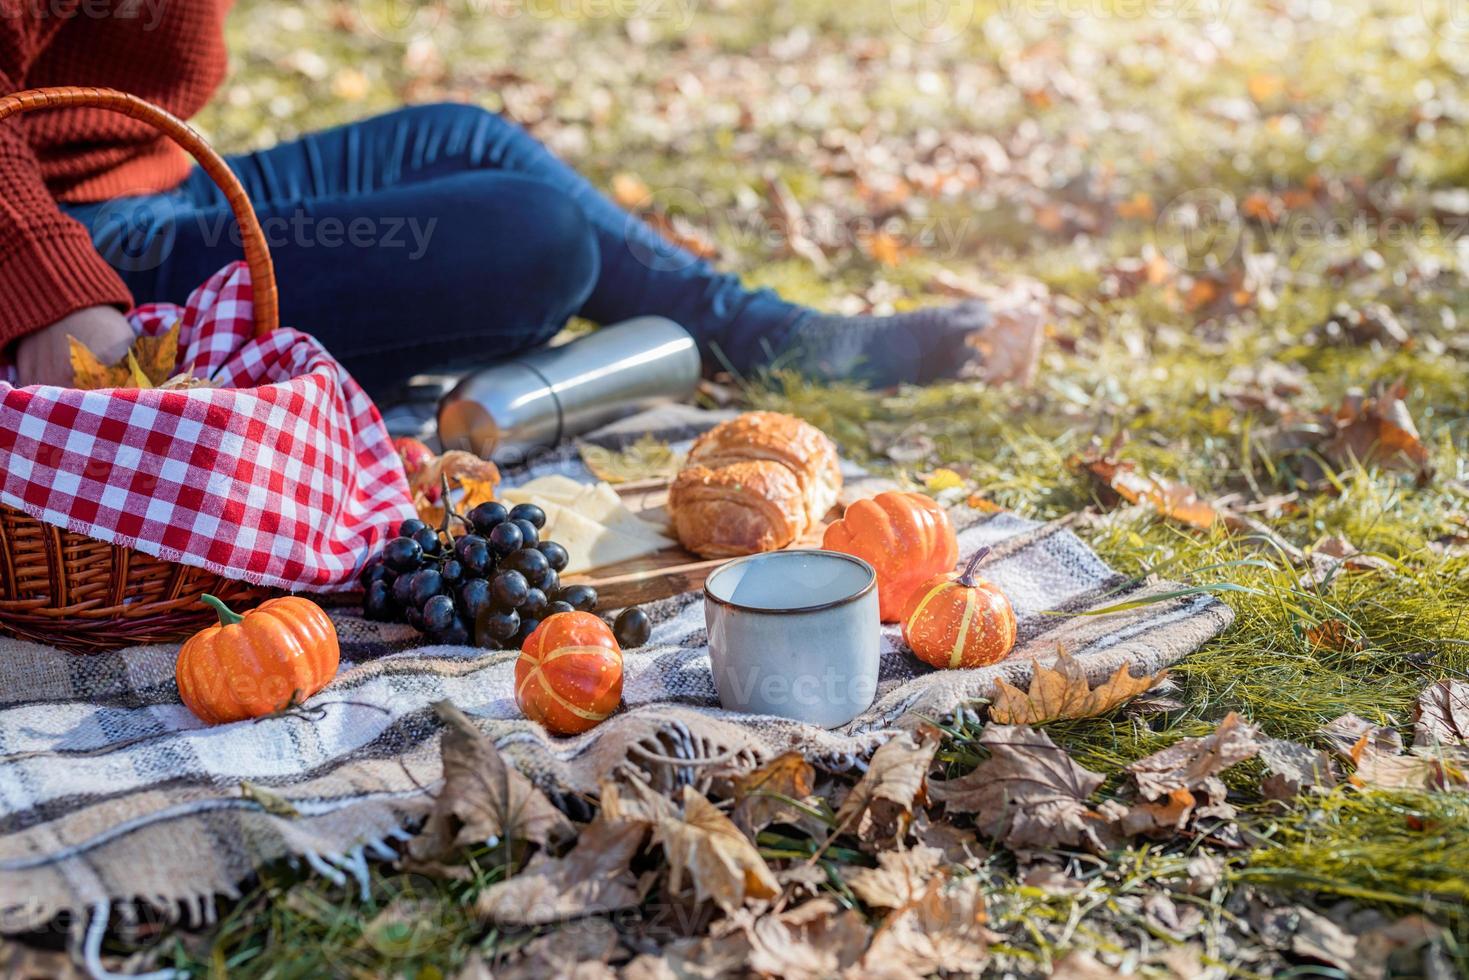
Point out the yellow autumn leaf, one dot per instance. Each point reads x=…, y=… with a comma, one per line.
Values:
x=89, y=373
x=1062, y=691
x=943, y=479
x=147, y=364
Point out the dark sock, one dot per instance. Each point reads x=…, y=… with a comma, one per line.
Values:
x=881, y=351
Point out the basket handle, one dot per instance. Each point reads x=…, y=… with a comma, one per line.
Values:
x=257, y=255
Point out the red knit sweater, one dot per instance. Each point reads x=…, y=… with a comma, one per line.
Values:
x=170, y=52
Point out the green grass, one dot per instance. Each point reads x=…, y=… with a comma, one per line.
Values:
x=1354, y=108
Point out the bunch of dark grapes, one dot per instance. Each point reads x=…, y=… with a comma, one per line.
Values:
x=490, y=586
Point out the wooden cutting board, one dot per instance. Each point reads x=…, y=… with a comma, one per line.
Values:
x=675, y=570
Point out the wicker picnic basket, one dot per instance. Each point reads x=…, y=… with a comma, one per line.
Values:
x=85, y=595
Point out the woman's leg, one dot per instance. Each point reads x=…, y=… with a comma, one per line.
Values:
x=395, y=280
x=412, y=151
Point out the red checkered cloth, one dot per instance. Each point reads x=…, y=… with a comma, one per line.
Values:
x=283, y=475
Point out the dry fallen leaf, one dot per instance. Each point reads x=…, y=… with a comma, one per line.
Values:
x=1294, y=769
x=593, y=877
x=483, y=798
x=1187, y=772
x=898, y=879
x=810, y=942
x=880, y=806
x=705, y=845
x=1441, y=716
x=762, y=796
x=1079, y=964
x=1028, y=793
x=942, y=930
x=1376, y=753
x=580, y=950
x=1061, y=691
x=1013, y=341
x=1377, y=429
x=1122, y=478
x=647, y=459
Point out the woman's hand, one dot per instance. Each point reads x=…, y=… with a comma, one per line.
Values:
x=44, y=357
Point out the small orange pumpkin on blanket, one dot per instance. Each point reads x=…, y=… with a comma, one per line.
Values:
x=906, y=538
x=964, y=622
x=280, y=652
x=569, y=674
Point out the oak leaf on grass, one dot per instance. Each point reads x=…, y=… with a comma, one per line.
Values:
x=1185, y=775
x=941, y=930
x=1061, y=691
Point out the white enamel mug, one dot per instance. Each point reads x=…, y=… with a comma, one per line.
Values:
x=794, y=634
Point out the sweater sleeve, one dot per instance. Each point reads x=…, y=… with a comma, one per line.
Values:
x=48, y=267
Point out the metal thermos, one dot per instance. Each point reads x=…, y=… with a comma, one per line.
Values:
x=510, y=412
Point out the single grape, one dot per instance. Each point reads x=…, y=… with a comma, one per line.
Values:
x=427, y=584
x=474, y=598
x=410, y=527
x=373, y=571
x=527, y=627
x=534, y=605
x=549, y=582
x=378, y=604
x=527, y=561
x=414, y=618
x=506, y=538
x=555, y=554
x=528, y=512
x=559, y=607
x=500, y=624
x=402, y=554
x=632, y=627
x=486, y=517
x=403, y=589
x=476, y=558
x=428, y=540
x=455, y=634
x=438, y=613
x=465, y=542
x=509, y=589
x=529, y=536
x=582, y=597
x=452, y=572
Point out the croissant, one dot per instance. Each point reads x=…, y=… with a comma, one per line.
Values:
x=737, y=509
x=795, y=444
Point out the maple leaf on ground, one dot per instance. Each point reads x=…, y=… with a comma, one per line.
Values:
x=483, y=798
x=880, y=806
x=629, y=798
x=958, y=845
x=1183, y=780
x=941, y=930
x=1061, y=691
x=899, y=878
x=1028, y=793
x=705, y=845
x=580, y=950
x=593, y=877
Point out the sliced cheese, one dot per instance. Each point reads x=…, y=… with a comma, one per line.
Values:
x=555, y=488
x=589, y=544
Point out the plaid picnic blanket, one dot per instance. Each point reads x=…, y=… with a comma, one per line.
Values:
x=111, y=790
x=281, y=475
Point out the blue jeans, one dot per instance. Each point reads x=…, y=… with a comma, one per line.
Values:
x=432, y=235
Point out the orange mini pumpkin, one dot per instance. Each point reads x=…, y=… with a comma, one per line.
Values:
x=905, y=537
x=963, y=622
x=569, y=675
x=247, y=666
